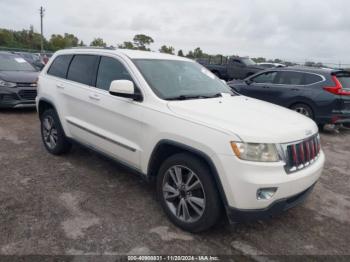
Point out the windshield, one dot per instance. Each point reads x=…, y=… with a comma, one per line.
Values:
x=171, y=79
x=248, y=62
x=9, y=62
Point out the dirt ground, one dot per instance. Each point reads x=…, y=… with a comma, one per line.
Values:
x=82, y=203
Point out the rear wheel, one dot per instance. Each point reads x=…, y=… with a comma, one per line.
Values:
x=52, y=133
x=187, y=193
x=303, y=109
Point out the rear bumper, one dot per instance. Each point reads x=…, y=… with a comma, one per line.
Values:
x=276, y=208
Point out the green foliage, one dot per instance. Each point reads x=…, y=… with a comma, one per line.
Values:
x=98, y=42
x=167, y=49
x=126, y=45
x=26, y=39
x=60, y=42
x=141, y=42
x=180, y=53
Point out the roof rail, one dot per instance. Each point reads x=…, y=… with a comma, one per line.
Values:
x=93, y=47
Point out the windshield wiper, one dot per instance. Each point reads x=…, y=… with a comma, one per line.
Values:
x=187, y=97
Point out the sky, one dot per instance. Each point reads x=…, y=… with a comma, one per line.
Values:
x=295, y=30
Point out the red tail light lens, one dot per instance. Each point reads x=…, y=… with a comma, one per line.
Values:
x=337, y=89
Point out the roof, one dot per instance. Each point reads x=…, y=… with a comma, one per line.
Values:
x=132, y=54
x=306, y=69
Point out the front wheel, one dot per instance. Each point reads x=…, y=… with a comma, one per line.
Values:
x=188, y=193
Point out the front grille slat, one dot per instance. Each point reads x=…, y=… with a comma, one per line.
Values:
x=27, y=94
x=302, y=154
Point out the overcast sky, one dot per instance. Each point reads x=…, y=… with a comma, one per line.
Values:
x=288, y=29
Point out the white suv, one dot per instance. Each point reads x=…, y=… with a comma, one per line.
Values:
x=171, y=120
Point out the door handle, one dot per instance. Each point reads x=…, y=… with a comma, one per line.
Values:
x=94, y=96
x=266, y=87
x=60, y=86
x=295, y=89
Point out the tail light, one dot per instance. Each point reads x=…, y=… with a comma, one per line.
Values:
x=337, y=89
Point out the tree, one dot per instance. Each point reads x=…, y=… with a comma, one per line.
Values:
x=126, y=45
x=142, y=42
x=259, y=60
x=180, y=53
x=60, y=42
x=167, y=49
x=190, y=55
x=98, y=42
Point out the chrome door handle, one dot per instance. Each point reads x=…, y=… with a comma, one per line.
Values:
x=95, y=97
x=60, y=86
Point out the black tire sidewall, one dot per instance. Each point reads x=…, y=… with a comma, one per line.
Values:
x=63, y=144
x=213, y=204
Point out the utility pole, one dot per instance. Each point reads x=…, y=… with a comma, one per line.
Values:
x=42, y=11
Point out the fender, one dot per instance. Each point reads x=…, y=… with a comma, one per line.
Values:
x=194, y=151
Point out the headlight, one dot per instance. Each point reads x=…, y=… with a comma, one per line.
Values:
x=6, y=84
x=255, y=152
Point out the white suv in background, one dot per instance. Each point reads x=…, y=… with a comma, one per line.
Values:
x=173, y=121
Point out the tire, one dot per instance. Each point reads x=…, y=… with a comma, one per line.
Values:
x=303, y=109
x=202, y=201
x=52, y=133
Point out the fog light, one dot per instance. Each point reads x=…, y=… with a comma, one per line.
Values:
x=265, y=193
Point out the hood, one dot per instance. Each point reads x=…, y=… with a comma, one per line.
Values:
x=250, y=119
x=19, y=76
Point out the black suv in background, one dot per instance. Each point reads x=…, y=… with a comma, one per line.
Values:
x=321, y=94
x=17, y=81
x=234, y=67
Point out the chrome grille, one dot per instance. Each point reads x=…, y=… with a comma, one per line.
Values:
x=302, y=154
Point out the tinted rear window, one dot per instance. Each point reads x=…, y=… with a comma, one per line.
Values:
x=59, y=66
x=83, y=69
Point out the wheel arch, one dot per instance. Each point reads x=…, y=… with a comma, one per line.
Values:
x=45, y=104
x=166, y=148
x=304, y=101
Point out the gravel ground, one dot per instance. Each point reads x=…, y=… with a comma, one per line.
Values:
x=82, y=203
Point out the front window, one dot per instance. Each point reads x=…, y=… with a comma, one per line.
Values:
x=172, y=79
x=9, y=62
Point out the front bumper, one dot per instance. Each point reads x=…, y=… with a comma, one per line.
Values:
x=276, y=208
x=241, y=180
x=18, y=97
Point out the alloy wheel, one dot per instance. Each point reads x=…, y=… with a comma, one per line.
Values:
x=49, y=132
x=184, y=194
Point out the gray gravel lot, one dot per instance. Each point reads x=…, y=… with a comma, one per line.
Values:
x=82, y=203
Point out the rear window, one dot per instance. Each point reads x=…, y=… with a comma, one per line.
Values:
x=59, y=66
x=83, y=69
x=344, y=79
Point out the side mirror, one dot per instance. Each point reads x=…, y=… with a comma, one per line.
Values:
x=124, y=88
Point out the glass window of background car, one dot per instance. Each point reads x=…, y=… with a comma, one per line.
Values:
x=10, y=62
x=83, y=69
x=59, y=66
x=289, y=78
x=110, y=69
x=267, y=77
x=311, y=79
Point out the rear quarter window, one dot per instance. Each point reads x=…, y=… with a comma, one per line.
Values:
x=59, y=66
x=310, y=79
